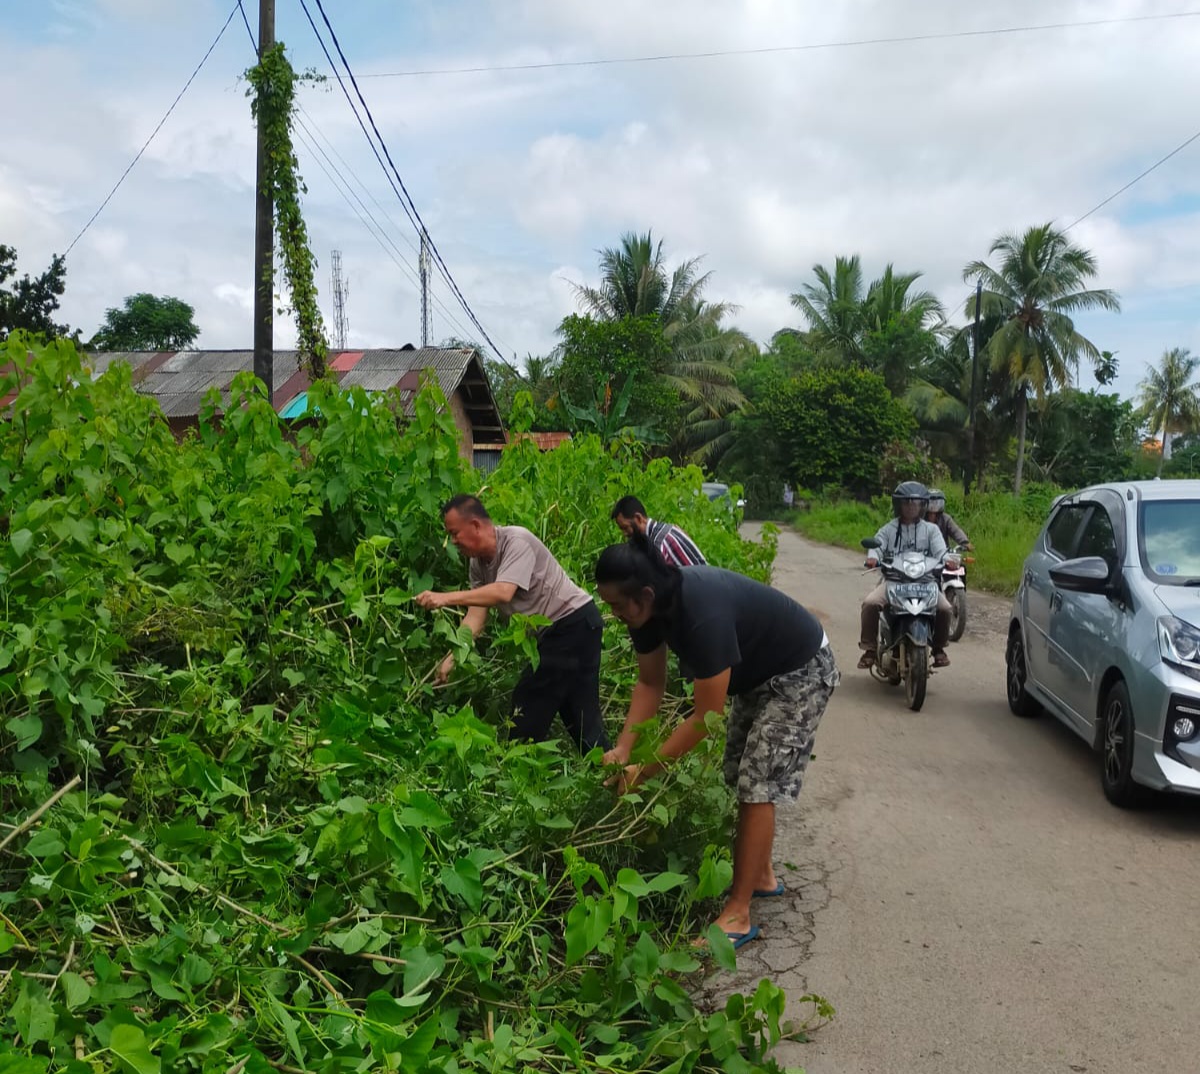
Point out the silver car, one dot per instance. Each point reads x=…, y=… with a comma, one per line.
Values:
x=1105, y=632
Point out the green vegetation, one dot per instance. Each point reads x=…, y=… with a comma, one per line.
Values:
x=147, y=323
x=279, y=846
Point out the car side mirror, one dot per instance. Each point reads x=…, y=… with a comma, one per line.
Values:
x=1090, y=574
x=869, y=542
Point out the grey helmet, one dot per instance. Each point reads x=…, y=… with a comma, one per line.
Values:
x=937, y=501
x=910, y=490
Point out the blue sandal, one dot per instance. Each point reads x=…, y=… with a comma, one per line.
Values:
x=774, y=893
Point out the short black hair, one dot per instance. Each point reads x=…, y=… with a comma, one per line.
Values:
x=628, y=507
x=466, y=505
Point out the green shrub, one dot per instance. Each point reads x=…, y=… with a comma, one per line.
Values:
x=280, y=844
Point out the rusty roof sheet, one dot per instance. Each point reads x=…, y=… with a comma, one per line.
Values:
x=180, y=380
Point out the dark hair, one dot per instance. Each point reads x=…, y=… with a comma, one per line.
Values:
x=628, y=507
x=637, y=565
x=466, y=505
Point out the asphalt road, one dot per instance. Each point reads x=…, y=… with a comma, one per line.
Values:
x=960, y=889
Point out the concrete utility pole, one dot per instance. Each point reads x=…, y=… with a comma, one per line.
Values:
x=341, y=292
x=264, y=232
x=423, y=266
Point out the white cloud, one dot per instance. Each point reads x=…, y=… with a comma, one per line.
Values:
x=918, y=154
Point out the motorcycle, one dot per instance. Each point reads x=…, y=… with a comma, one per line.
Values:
x=902, y=648
x=954, y=585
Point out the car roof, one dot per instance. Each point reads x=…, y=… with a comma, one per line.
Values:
x=1176, y=489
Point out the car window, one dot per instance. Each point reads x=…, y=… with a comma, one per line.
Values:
x=1171, y=540
x=1098, y=538
x=1060, y=534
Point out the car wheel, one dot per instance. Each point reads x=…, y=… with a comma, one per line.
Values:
x=1116, y=750
x=1019, y=699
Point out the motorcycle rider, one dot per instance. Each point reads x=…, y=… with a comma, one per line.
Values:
x=907, y=531
x=952, y=532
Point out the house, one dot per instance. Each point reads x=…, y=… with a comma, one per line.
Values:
x=487, y=456
x=180, y=380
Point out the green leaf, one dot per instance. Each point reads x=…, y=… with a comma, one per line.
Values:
x=194, y=971
x=721, y=948
x=128, y=1043
x=33, y=1014
x=464, y=881
x=26, y=729
x=20, y=541
x=76, y=990
x=629, y=880
x=178, y=553
x=45, y=844
x=423, y=811
x=421, y=967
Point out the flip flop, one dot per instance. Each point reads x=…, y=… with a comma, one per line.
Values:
x=740, y=939
x=775, y=892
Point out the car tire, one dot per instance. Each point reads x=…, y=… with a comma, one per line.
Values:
x=1116, y=750
x=1016, y=674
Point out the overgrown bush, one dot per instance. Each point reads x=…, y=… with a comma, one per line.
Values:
x=271, y=842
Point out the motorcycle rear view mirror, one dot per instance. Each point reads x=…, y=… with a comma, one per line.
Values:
x=869, y=542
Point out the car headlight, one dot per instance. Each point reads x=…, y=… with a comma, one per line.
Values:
x=1178, y=642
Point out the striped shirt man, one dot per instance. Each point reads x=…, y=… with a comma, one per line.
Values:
x=675, y=546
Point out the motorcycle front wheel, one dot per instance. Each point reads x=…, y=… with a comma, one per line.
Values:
x=917, y=676
x=958, y=612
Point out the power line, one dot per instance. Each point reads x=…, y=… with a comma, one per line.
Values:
x=405, y=198
x=1136, y=179
x=166, y=116
x=814, y=47
x=308, y=132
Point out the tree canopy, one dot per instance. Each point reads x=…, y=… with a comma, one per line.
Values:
x=147, y=322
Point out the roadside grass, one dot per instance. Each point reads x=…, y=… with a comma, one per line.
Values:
x=1002, y=529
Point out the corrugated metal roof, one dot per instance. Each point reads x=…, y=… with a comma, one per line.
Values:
x=180, y=381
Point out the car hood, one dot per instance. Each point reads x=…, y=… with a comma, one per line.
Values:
x=1183, y=602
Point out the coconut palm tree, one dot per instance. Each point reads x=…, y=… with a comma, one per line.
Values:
x=1169, y=397
x=1036, y=287
x=635, y=281
x=841, y=311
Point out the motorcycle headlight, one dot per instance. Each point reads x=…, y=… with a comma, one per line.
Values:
x=1178, y=642
x=913, y=569
x=952, y=563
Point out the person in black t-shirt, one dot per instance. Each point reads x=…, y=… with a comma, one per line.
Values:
x=738, y=638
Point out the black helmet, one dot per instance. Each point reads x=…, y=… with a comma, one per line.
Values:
x=937, y=501
x=909, y=490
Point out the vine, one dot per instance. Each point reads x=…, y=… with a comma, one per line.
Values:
x=272, y=96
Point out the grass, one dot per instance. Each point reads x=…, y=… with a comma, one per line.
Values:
x=1002, y=528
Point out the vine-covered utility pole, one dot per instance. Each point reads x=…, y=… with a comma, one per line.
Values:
x=264, y=225
x=273, y=103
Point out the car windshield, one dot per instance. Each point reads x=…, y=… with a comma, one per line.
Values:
x=1171, y=541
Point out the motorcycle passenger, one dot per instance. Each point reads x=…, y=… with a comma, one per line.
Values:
x=906, y=532
x=952, y=532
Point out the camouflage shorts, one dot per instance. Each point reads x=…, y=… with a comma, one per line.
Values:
x=770, y=732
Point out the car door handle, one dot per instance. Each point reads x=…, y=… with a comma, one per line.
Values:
x=1056, y=601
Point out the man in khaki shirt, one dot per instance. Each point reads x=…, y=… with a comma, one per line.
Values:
x=510, y=569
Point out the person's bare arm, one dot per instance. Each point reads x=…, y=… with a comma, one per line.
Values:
x=476, y=619
x=485, y=596
x=647, y=696
x=709, y=695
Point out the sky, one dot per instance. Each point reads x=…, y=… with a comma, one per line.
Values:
x=918, y=153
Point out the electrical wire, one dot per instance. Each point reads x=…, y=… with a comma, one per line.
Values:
x=377, y=230
x=1136, y=179
x=312, y=128
x=146, y=145
x=406, y=200
x=814, y=47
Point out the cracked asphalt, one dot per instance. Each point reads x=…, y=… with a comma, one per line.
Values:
x=958, y=887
